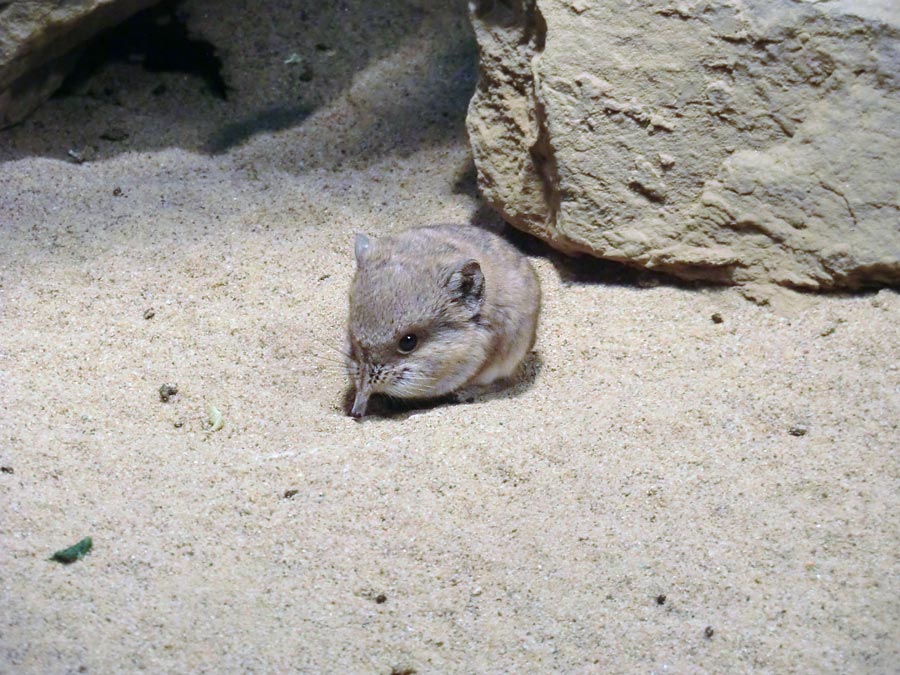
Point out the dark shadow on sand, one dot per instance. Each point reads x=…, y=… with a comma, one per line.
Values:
x=180, y=76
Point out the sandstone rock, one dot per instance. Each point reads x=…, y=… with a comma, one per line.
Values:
x=748, y=142
x=37, y=39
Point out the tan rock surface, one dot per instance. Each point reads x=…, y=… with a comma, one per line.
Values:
x=743, y=142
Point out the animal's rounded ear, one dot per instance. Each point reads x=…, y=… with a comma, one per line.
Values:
x=362, y=247
x=466, y=285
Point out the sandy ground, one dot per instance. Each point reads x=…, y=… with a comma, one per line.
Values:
x=659, y=493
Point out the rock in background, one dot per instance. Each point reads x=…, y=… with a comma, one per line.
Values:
x=741, y=142
x=38, y=46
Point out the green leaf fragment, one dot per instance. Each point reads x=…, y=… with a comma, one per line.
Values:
x=73, y=553
x=216, y=420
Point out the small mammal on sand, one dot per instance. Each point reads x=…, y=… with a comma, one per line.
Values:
x=434, y=309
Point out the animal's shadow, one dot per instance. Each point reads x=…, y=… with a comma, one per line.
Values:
x=382, y=407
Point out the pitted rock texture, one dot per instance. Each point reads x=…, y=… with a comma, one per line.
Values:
x=751, y=142
x=38, y=39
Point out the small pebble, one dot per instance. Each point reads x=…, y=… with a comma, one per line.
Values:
x=717, y=318
x=660, y=599
x=117, y=192
x=380, y=599
x=149, y=313
x=178, y=424
x=798, y=430
x=167, y=391
x=290, y=493
x=708, y=632
x=6, y=469
x=115, y=135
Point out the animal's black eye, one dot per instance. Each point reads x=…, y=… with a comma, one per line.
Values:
x=407, y=343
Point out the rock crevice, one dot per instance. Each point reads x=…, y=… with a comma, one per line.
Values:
x=39, y=43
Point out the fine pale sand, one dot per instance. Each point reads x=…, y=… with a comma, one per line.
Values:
x=660, y=492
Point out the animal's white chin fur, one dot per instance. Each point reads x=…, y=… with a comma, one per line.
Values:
x=409, y=389
x=407, y=386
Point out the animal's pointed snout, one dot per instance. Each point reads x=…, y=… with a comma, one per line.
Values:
x=359, y=404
